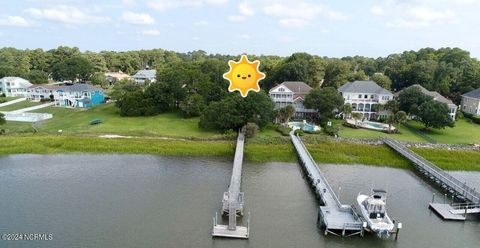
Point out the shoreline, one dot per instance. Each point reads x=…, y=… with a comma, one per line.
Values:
x=327, y=152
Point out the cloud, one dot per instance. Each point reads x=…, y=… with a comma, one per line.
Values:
x=200, y=23
x=14, y=21
x=129, y=3
x=66, y=15
x=377, y=10
x=245, y=9
x=151, y=32
x=287, y=39
x=138, y=18
x=245, y=36
x=293, y=23
x=300, y=13
x=400, y=23
x=427, y=14
x=237, y=18
x=162, y=5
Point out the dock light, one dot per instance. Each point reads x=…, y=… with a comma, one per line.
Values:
x=364, y=225
x=399, y=226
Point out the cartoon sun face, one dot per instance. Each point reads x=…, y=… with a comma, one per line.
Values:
x=244, y=76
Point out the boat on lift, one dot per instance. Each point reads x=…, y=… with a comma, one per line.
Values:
x=373, y=208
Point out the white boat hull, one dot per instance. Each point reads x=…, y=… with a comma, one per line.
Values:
x=381, y=226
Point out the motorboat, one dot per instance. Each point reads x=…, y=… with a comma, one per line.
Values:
x=374, y=211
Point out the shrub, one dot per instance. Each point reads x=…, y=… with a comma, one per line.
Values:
x=284, y=131
x=330, y=130
x=299, y=132
x=250, y=129
x=473, y=118
x=45, y=100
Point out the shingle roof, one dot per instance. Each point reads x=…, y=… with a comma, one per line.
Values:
x=473, y=93
x=23, y=82
x=145, y=74
x=299, y=89
x=436, y=96
x=295, y=87
x=79, y=87
x=363, y=87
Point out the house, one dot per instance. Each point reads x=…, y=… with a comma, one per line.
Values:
x=113, y=77
x=471, y=102
x=363, y=96
x=37, y=92
x=78, y=95
x=437, y=97
x=292, y=93
x=143, y=76
x=14, y=86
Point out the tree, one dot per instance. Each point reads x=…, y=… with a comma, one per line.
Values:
x=435, y=114
x=356, y=116
x=2, y=119
x=234, y=111
x=346, y=110
x=396, y=119
x=410, y=99
x=193, y=105
x=382, y=80
x=72, y=69
x=324, y=100
x=37, y=77
x=284, y=114
x=136, y=104
x=251, y=129
x=98, y=78
x=123, y=87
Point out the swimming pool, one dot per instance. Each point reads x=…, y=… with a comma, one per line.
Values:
x=303, y=126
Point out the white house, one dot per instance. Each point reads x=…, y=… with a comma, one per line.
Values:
x=363, y=96
x=37, y=92
x=292, y=93
x=14, y=86
x=143, y=76
x=471, y=102
x=436, y=97
x=113, y=77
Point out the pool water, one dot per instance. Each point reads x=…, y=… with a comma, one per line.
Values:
x=304, y=126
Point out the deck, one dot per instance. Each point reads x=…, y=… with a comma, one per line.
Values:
x=233, y=199
x=333, y=216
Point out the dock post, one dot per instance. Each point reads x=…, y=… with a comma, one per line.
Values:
x=399, y=226
x=433, y=198
x=465, y=212
x=445, y=199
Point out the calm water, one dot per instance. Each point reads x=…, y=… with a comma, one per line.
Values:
x=149, y=201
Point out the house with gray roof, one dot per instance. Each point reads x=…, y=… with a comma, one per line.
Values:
x=292, y=93
x=78, y=95
x=363, y=96
x=143, y=76
x=437, y=97
x=471, y=102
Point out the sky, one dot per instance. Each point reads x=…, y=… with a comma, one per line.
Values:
x=333, y=28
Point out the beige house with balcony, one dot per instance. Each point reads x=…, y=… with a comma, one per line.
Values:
x=292, y=93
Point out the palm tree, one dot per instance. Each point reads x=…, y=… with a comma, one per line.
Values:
x=356, y=117
x=346, y=110
x=396, y=119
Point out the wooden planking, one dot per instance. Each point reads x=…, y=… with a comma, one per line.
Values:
x=445, y=211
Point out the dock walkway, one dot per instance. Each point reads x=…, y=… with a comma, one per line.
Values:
x=333, y=216
x=233, y=199
x=457, y=188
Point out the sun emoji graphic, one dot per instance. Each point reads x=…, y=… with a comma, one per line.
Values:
x=244, y=76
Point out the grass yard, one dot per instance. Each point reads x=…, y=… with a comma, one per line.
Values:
x=450, y=159
x=77, y=121
x=19, y=105
x=8, y=98
x=464, y=132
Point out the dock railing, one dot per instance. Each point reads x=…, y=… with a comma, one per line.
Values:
x=332, y=193
x=460, y=187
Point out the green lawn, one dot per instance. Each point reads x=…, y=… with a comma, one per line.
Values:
x=19, y=105
x=464, y=132
x=9, y=98
x=77, y=121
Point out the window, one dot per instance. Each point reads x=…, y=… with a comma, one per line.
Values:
x=366, y=96
x=372, y=96
x=281, y=90
x=360, y=96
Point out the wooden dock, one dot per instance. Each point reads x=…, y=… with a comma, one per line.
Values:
x=233, y=199
x=445, y=180
x=450, y=184
x=336, y=218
